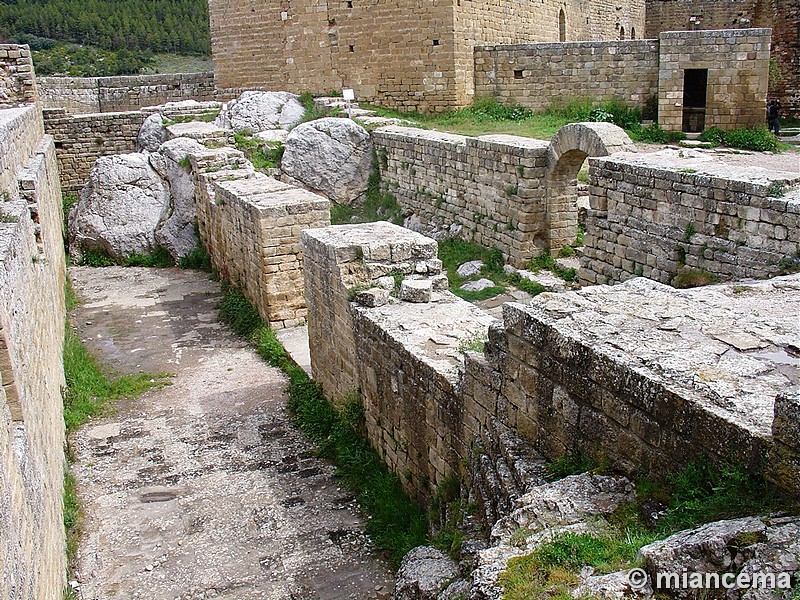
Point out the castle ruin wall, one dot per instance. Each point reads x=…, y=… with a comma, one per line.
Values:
x=32, y=313
x=654, y=215
x=89, y=95
x=540, y=76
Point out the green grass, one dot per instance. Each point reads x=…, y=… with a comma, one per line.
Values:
x=378, y=205
x=396, y=524
x=691, y=278
x=198, y=258
x=547, y=262
x=574, y=463
x=759, y=139
x=698, y=494
x=160, y=258
x=263, y=155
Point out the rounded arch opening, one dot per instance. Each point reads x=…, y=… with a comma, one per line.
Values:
x=633, y=33
x=562, y=26
x=621, y=33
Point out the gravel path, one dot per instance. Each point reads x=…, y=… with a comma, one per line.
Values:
x=203, y=489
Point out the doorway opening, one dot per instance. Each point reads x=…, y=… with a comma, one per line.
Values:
x=695, y=92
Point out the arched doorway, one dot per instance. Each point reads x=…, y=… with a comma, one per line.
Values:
x=562, y=26
x=569, y=148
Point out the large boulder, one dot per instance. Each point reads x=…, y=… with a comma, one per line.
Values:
x=152, y=134
x=119, y=208
x=176, y=232
x=424, y=573
x=332, y=156
x=258, y=111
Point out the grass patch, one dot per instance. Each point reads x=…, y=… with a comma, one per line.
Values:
x=160, y=258
x=698, y=494
x=263, y=155
x=198, y=258
x=692, y=278
x=759, y=139
x=653, y=134
x=396, y=524
x=547, y=262
x=315, y=111
x=378, y=205
x=574, y=463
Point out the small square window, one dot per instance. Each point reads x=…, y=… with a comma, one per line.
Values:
x=349, y=3
x=351, y=48
x=435, y=42
x=517, y=73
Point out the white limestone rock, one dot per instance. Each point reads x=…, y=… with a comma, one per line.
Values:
x=152, y=134
x=477, y=286
x=272, y=136
x=416, y=290
x=332, y=156
x=119, y=208
x=259, y=111
x=468, y=269
x=424, y=574
x=176, y=232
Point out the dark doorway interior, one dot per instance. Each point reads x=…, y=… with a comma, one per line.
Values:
x=695, y=88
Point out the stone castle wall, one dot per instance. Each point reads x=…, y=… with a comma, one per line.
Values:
x=616, y=373
x=32, y=275
x=738, y=76
x=81, y=139
x=655, y=216
x=250, y=225
x=783, y=16
x=86, y=95
x=17, y=80
x=490, y=188
x=413, y=57
x=539, y=76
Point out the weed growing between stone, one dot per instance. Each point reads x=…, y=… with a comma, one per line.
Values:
x=395, y=523
x=698, y=494
x=455, y=252
x=545, y=261
x=160, y=258
x=88, y=392
x=378, y=206
x=692, y=278
x=198, y=259
x=263, y=155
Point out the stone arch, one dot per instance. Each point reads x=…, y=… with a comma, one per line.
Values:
x=569, y=148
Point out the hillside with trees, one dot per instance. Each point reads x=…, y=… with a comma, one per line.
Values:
x=104, y=37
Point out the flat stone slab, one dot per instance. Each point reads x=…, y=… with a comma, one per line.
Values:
x=397, y=244
x=203, y=488
x=731, y=348
x=437, y=334
x=197, y=130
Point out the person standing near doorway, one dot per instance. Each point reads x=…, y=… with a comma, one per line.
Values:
x=773, y=115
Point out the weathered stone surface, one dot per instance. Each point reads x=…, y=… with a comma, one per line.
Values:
x=152, y=134
x=373, y=297
x=477, y=286
x=424, y=573
x=468, y=269
x=207, y=134
x=332, y=156
x=119, y=208
x=177, y=232
x=258, y=111
x=272, y=135
x=612, y=586
x=416, y=290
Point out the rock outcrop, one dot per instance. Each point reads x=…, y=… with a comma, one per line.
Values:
x=152, y=134
x=424, y=574
x=332, y=156
x=258, y=111
x=119, y=208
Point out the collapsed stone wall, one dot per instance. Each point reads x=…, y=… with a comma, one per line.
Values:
x=538, y=76
x=88, y=95
x=780, y=15
x=738, y=76
x=32, y=274
x=619, y=373
x=81, y=139
x=413, y=57
x=658, y=214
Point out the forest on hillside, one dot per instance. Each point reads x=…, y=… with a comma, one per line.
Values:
x=170, y=26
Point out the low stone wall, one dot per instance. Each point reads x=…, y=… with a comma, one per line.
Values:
x=512, y=193
x=83, y=95
x=32, y=274
x=640, y=375
x=81, y=139
x=17, y=81
x=251, y=225
x=539, y=76
x=654, y=215
x=21, y=132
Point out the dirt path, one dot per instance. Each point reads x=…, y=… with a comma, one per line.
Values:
x=203, y=489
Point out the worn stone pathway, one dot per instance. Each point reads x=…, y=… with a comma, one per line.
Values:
x=203, y=489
